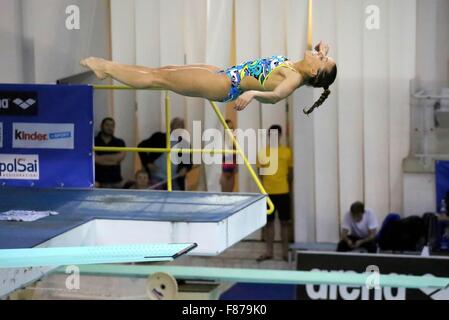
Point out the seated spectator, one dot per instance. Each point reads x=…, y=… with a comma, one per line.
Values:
x=141, y=181
x=108, y=163
x=443, y=214
x=229, y=166
x=443, y=226
x=155, y=163
x=359, y=229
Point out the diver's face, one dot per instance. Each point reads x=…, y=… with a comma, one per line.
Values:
x=317, y=60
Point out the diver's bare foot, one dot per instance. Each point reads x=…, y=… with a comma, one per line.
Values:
x=97, y=65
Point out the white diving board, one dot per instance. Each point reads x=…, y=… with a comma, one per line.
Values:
x=39, y=257
x=267, y=276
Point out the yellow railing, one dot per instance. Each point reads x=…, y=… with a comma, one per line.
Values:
x=168, y=149
x=310, y=25
x=167, y=140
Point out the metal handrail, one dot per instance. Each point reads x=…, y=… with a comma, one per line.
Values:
x=168, y=149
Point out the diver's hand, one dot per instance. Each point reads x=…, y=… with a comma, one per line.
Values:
x=244, y=99
x=322, y=47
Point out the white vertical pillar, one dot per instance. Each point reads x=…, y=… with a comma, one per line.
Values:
x=219, y=26
x=326, y=134
x=350, y=24
x=272, y=42
x=123, y=51
x=28, y=42
x=402, y=46
x=432, y=38
x=195, y=49
x=148, y=54
x=376, y=112
x=302, y=129
x=248, y=35
x=11, y=39
x=172, y=48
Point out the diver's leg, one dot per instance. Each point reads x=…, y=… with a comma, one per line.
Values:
x=188, y=80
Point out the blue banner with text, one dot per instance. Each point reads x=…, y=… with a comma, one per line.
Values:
x=46, y=135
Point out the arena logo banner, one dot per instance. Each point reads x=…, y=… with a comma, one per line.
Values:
x=57, y=130
x=18, y=103
x=358, y=263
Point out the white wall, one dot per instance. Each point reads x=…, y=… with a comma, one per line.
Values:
x=218, y=48
x=275, y=45
x=432, y=73
x=11, y=54
x=248, y=22
x=172, y=47
x=36, y=45
x=148, y=34
x=302, y=131
x=350, y=98
x=419, y=193
x=325, y=124
x=432, y=41
x=360, y=135
x=123, y=50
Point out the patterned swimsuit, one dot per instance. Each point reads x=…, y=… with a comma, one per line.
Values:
x=259, y=69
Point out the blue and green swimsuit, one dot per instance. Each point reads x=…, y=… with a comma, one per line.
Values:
x=259, y=69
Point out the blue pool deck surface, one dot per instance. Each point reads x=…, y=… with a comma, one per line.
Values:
x=79, y=206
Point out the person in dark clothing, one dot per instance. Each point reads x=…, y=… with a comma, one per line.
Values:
x=107, y=163
x=229, y=166
x=156, y=163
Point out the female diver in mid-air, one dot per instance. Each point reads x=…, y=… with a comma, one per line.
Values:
x=268, y=80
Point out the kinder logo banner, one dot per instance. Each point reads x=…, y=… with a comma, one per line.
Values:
x=20, y=103
x=43, y=135
x=19, y=166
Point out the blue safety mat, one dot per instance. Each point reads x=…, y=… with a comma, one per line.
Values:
x=78, y=206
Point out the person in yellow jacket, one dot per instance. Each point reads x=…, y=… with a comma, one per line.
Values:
x=276, y=182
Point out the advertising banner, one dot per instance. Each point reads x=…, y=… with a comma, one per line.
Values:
x=46, y=135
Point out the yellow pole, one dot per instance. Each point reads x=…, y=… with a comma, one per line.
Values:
x=167, y=140
x=164, y=150
x=310, y=26
x=168, y=144
x=245, y=160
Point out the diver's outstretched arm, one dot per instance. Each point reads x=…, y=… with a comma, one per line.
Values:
x=282, y=91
